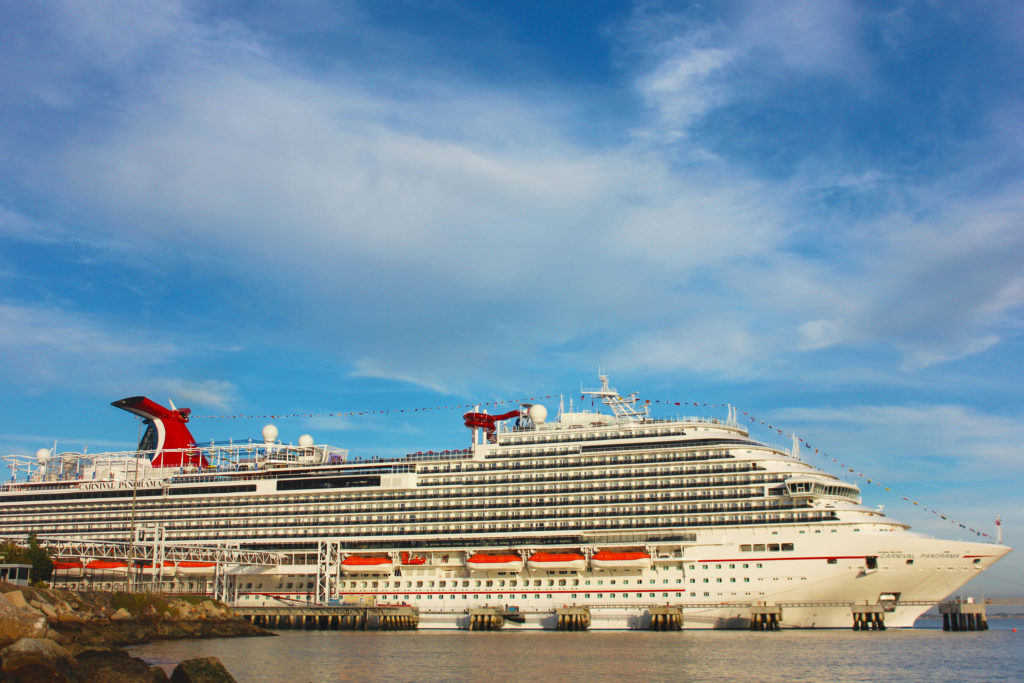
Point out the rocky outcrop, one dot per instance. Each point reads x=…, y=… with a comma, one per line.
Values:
x=201, y=670
x=20, y=622
x=37, y=659
x=112, y=665
x=55, y=635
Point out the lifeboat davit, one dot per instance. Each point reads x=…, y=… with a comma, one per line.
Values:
x=410, y=559
x=553, y=561
x=355, y=564
x=483, y=562
x=147, y=567
x=630, y=559
x=191, y=567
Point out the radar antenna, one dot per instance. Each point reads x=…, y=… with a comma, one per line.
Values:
x=623, y=407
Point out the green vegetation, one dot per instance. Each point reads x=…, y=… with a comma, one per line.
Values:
x=39, y=558
x=137, y=604
x=34, y=554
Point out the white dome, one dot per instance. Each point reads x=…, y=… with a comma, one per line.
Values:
x=42, y=455
x=538, y=413
x=270, y=434
x=305, y=441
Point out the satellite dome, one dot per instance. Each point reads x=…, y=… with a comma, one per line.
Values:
x=270, y=434
x=538, y=413
x=42, y=455
x=305, y=441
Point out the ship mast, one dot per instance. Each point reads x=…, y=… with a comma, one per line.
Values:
x=623, y=407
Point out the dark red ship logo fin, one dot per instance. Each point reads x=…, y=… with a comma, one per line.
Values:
x=166, y=433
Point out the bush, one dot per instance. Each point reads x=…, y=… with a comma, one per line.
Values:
x=39, y=558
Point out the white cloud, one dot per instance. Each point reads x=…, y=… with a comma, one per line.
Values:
x=953, y=439
x=806, y=37
x=686, y=86
x=924, y=358
x=45, y=348
x=437, y=230
x=818, y=334
x=212, y=393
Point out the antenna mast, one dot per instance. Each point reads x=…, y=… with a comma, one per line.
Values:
x=624, y=408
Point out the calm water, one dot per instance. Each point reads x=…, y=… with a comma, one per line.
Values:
x=922, y=654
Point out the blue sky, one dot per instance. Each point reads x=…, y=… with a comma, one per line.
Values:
x=812, y=211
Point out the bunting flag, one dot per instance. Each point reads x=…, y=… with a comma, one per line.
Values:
x=354, y=413
x=475, y=405
x=844, y=466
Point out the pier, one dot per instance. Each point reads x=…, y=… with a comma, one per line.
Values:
x=765, y=618
x=963, y=616
x=333, y=618
x=868, y=617
x=666, y=618
x=573, y=618
x=957, y=615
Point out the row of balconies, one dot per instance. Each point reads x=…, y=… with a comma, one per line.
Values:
x=58, y=527
x=145, y=510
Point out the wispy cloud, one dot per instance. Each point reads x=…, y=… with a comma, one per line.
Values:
x=48, y=348
x=442, y=229
x=954, y=438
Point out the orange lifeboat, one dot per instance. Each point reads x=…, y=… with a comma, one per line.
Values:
x=482, y=562
x=107, y=565
x=192, y=567
x=355, y=564
x=612, y=559
x=67, y=566
x=552, y=561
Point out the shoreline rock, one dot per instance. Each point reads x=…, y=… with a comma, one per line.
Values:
x=59, y=635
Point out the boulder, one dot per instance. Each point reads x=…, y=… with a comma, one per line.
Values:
x=121, y=614
x=112, y=665
x=48, y=610
x=201, y=670
x=18, y=623
x=16, y=598
x=37, y=659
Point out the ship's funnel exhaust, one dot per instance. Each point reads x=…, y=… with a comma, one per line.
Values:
x=166, y=434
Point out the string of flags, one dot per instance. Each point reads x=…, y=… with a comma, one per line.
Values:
x=520, y=401
x=843, y=465
x=388, y=411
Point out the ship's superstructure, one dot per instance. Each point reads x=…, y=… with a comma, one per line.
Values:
x=611, y=512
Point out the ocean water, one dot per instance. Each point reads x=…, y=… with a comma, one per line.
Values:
x=922, y=654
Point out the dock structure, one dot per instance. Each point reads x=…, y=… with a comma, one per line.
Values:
x=666, y=618
x=572, y=618
x=333, y=618
x=868, y=617
x=765, y=617
x=486, y=619
x=963, y=616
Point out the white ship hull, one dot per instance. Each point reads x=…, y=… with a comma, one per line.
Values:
x=817, y=585
x=631, y=513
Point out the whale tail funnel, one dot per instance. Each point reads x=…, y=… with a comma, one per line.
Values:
x=166, y=435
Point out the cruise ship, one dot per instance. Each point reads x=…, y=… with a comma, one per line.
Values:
x=610, y=510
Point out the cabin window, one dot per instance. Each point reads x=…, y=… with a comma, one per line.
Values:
x=871, y=562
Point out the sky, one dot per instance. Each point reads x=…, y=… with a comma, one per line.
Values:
x=811, y=211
